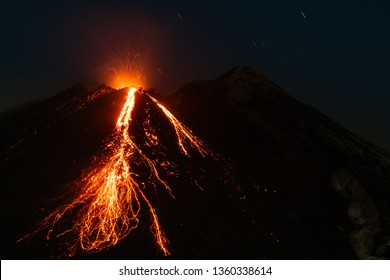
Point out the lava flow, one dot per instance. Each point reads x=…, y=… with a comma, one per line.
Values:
x=110, y=196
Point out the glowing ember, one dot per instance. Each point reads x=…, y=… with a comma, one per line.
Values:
x=107, y=207
x=125, y=66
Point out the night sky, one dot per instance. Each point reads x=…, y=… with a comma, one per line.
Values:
x=333, y=55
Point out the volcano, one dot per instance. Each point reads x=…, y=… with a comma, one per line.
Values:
x=232, y=168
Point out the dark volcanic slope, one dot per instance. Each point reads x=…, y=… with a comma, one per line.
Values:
x=43, y=147
x=328, y=181
x=288, y=183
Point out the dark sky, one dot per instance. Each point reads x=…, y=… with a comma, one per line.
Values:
x=333, y=55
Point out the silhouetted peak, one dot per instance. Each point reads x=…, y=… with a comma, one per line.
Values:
x=282, y=180
x=239, y=84
x=239, y=71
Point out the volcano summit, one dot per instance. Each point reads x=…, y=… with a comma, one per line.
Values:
x=230, y=168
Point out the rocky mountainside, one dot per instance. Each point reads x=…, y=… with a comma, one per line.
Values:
x=324, y=176
x=281, y=181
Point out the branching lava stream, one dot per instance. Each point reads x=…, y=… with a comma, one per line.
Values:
x=110, y=196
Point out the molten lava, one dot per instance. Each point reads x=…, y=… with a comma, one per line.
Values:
x=110, y=196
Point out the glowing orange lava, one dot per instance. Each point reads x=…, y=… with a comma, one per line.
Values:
x=126, y=66
x=182, y=132
x=110, y=195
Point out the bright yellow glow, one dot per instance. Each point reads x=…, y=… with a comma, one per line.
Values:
x=125, y=66
x=110, y=195
x=132, y=90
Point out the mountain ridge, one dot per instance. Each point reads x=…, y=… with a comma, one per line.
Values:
x=299, y=185
x=307, y=128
